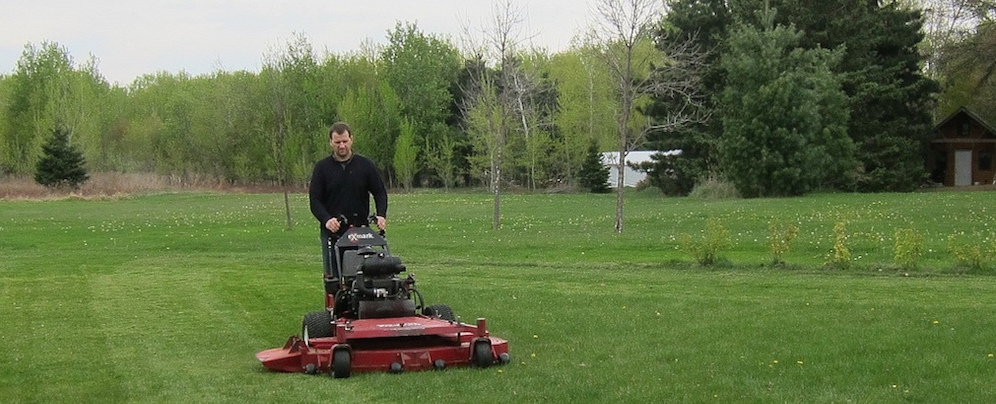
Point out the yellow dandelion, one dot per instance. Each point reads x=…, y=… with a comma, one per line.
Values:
x=799, y=362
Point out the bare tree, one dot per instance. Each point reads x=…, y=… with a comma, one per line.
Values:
x=623, y=38
x=495, y=95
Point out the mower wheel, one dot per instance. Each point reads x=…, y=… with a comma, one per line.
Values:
x=317, y=324
x=440, y=310
x=341, y=365
x=482, y=354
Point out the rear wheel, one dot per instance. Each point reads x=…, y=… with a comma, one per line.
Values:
x=482, y=354
x=440, y=310
x=341, y=365
x=317, y=324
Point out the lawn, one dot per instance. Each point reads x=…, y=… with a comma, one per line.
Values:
x=166, y=298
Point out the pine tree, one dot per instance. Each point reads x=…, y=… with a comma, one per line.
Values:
x=61, y=164
x=594, y=175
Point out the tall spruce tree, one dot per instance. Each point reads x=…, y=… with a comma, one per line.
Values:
x=61, y=165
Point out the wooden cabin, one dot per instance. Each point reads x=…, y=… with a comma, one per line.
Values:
x=962, y=151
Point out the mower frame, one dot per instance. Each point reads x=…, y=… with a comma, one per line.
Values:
x=424, y=339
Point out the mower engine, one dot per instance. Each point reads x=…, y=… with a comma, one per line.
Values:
x=375, y=289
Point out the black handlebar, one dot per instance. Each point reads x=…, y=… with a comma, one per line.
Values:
x=344, y=222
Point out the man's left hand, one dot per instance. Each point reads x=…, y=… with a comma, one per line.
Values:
x=381, y=222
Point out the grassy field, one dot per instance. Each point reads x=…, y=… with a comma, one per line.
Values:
x=166, y=298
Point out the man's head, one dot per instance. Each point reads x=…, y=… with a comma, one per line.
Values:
x=341, y=140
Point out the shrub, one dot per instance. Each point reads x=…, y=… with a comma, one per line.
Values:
x=973, y=255
x=715, y=188
x=840, y=254
x=705, y=249
x=780, y=236
x=909, y=248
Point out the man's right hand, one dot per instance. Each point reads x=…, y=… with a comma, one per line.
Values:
x=333, y=225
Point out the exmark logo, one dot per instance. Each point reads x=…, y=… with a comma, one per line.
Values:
x=356, y=237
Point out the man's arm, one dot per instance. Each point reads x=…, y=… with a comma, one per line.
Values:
x=316, y=194
x=379, y=192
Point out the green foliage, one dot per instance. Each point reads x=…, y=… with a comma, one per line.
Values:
x=965, y=64
x=780, y=237
x=445, y=157
x=374, y=115
x=908, y=249
x=405, y=152
x=48, y=89
x=585, y=105
x=975, y=252
x=783, y=114
x=594, y=174
x=245, y=127
x=61, y=165
x=705, y=23
x=422, y=69
x=890, y=98
x=705, y=249
x=877, y=64
x=840, y=255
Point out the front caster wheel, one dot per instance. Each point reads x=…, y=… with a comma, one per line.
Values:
x=341, y=365
x=482, y=354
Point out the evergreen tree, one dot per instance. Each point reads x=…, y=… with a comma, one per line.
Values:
x=784, y=114
x=705, y=22
x=879, y=70
x=594, y=175
x=890, y=99
x=61, y=165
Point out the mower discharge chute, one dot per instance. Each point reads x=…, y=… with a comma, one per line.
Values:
x=374, y=320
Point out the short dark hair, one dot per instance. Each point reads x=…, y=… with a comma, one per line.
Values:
x=340, y=128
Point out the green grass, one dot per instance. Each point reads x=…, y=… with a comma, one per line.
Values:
x=166, y=298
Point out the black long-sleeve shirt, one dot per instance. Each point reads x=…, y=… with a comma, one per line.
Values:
x=344, y=188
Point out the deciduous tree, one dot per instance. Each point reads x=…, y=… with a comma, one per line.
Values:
x=623, y=38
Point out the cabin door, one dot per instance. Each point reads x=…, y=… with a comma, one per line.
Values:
x=963, y=167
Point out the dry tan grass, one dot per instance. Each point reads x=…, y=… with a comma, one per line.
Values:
x=113, y=185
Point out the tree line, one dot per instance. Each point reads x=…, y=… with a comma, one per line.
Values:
x=779, y=97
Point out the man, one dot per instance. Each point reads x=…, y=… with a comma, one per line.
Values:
x=341, y=186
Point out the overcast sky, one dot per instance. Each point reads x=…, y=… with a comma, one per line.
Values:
x=134, y=37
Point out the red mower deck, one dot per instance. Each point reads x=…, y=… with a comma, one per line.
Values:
x=389, y=344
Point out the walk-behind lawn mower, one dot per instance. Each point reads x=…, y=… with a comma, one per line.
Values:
x=376, y=321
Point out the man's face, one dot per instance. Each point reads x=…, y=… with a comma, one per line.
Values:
x=342, y=145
